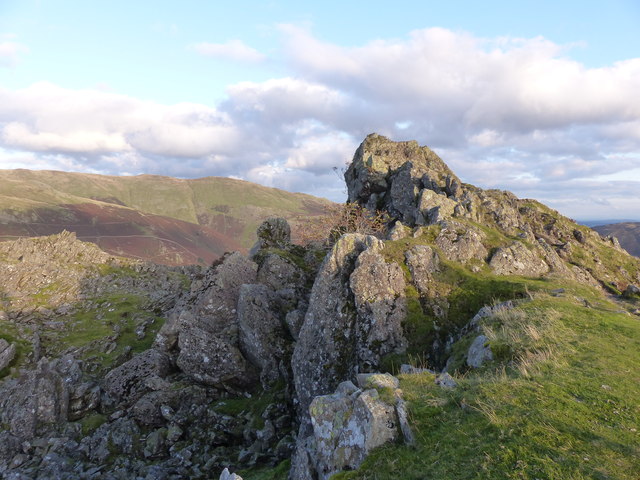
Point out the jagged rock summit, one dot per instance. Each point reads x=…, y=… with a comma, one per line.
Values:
x=416, y=188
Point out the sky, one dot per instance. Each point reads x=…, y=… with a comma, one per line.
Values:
x=537, y=97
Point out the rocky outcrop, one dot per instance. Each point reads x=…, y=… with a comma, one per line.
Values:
x=347, y=425
x=131, y=380
x=393, y=176
x=479, y=352
x=516, y=259
x=461, y=243
x=37, y=399
x=423, y=262
x=262, y=335
x=7, y=353
x=262, y=347
x=354, y=316
x=273, y=232
x=204, y=327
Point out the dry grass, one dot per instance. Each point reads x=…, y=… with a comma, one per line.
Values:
x=529, y=337
x=340, y=219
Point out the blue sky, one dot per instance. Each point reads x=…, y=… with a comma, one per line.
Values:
x=536, y=97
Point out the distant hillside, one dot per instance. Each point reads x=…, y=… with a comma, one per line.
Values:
x=164, y=219
x=628, y=234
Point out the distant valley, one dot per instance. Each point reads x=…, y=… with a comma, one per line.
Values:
x=149, y=217
x=628, y=233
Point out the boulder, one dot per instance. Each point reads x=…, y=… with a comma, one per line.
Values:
x=378, y=291
x=323, y=355
x=517, y=259
x=461, y=243
x=121, y=436
x=347, y=425
x=445, y=380
x=273, y=232
x=354, y=316
x=7, y=353
x=226, y=475
x=294, y=320
x=423, y=262
x=479, y=352
x=262, y=334
x=131, y=380
x=38, y=398
x=279, y=273
x=205, y=327
x=398, y=232
x=434, y=207
x=377, y=380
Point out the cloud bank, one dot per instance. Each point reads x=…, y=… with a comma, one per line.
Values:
x=510, y=113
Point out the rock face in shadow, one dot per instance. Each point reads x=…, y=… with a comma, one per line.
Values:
x=205, y=327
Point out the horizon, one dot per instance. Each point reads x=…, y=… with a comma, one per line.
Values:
x=280, y=93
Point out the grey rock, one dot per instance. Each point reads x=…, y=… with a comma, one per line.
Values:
x=461, y=243
x=390, y=175
x=407, y=369
x=403, y=421
x=423, y=262
x=225, y=475
x=354, y=317
x=174, y=433
x=262, y=338
x=273, y=232
x=435, y=207
x=128, y=382
x=490, y=310
x=119, y=437
x=347, y=425
x=294, y=320
x=632, y=290
x=517, y=259
x=37, y=398
x=156, y=444
x=279, y=273
x=148, y=409
x=83, y=399
x=7, y=353
x=324, y=353
x=445, y=380
x=398, y=232
x=377, y=381
x=479, y=352
x=378, y=291
x=207, y=327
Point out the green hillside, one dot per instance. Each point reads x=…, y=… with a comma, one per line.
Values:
x=232, y=208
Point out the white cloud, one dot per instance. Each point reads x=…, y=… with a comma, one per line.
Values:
x=10, y=52
x=505, y=113
x=232, y=50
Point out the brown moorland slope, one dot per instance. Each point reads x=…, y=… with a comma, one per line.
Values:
x=163, y=219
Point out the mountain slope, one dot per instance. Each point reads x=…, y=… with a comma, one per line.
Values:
x=163, y=219
x=627, y=233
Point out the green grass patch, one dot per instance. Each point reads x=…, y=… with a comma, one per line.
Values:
x=91, y=422
x=569, y=415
